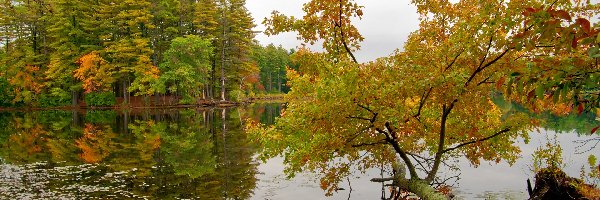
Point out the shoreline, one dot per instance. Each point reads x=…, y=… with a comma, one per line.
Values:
x=203, y=104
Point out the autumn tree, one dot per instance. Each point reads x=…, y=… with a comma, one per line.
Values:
x=329, y=21
x=95, y=73
x=562, y=47
x=125, y=29
x=422, y=106
x=24, y=31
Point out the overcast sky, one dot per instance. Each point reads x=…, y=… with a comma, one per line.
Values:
x=385, y=24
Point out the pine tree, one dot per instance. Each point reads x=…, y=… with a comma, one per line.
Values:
x=235, y=39
x=69, y=43
x=206, y=23
x=166, y=18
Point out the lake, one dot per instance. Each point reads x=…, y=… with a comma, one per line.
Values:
x=204, y=153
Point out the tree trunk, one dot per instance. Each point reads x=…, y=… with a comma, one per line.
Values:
x=224, y=39
x=74, y=98
x=270, y=81
x=124, y=90
x=415, y=185
x=279, y=80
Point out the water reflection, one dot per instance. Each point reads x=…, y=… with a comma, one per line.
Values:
x=204, y=154
x=138, y=154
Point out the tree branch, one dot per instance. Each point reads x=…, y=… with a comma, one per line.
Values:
x=401, y=152
x=343, y=35
x=479, y=69
x=453, y=61
x=369, y=144
x=487, y=52
x=424, y=98
x=441, y=142
x=478, y=140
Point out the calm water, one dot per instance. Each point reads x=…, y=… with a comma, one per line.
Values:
x=204, y=154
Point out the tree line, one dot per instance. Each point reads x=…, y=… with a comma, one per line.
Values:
x=57, y=51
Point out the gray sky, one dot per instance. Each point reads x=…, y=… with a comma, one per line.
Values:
x=385, y=24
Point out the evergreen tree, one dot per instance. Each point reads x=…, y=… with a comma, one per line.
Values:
x=125, y=29
x=235, y=39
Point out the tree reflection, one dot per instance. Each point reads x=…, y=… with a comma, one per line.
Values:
x=163, y=154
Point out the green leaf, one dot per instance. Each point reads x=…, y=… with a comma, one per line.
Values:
x=556, y=95
x=592, y=160
x=539, y=91
x=593, y=52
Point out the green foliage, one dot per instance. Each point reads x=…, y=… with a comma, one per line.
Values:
x=7, y=97
x=548, y=156
x=272, y=62
x=49, y=100
x=186, y=67
x=237, y=95
x=100, y=99
x=100, y=116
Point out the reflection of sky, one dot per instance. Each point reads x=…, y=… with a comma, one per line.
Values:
x=488, y=181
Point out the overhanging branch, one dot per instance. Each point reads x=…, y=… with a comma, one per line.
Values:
x=478, y=140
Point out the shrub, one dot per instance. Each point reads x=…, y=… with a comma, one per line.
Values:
x=57, y=97
x=100, y=99
x=237, y=95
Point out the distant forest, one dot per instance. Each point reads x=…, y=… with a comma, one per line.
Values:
x=102, y=52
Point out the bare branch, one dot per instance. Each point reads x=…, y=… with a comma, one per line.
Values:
x=343, y=39
x=369, y=144
x=478, y=140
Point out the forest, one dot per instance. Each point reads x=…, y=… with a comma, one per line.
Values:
x=58, y=53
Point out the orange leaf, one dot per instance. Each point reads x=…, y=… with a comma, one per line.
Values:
x=594, y=129
x=500, y=82
x=561, y=14
x=585, y=24
x=528, y=11
x=580, y=108
x=530, y=95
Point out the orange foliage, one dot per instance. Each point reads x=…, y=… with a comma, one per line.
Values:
x=95, y=143
x=29, y=139
x=94, y=72
x=26, y=80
